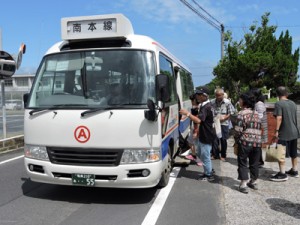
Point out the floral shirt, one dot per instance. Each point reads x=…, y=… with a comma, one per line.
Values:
x=248, y=128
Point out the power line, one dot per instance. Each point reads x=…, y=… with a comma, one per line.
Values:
x=246, y=27
x=206, y=12
x=209, y=19
x=217, y=26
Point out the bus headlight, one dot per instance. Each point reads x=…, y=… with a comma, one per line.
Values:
x=140, y=156
x=36, y=152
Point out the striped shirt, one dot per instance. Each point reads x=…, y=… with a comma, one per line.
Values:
x=262, y=113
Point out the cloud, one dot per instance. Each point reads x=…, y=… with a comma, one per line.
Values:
x=162, y=10
x=175, y=11
x=248, y=8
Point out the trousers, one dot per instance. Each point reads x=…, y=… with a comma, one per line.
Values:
x=252, y=154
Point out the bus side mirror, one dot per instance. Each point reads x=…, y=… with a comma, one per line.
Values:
x=8, y=65
x=151, y=113
x=162, y=87
x=25, y=99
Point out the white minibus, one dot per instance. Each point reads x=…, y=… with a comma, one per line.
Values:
x=103, y=108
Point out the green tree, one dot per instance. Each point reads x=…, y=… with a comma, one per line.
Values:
x=258, y=60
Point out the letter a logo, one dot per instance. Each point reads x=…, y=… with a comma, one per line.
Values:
x=82, y=134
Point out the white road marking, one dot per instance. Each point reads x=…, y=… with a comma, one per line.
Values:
x=160, y=200
x=6, y=161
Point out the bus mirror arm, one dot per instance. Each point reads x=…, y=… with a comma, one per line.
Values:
x=25, y=99
x=151, y=114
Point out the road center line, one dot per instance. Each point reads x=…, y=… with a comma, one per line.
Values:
x=6, y=161
x=160, y=200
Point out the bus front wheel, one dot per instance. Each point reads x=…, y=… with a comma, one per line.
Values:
x=164, y=180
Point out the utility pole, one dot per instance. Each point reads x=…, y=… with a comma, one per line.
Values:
x=222, y=41
x=3, y=96
x=209, y=19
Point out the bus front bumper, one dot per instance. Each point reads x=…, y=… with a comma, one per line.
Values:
x=122, y=176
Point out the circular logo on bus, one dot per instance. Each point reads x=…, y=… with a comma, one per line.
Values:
x=82, y=134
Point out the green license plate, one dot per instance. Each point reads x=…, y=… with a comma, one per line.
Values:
x=83, y=179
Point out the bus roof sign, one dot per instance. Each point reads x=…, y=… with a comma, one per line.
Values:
x=95, y=27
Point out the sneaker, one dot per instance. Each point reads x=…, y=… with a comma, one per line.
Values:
x=191, y=157
x=223, y=159
x=185, y=153
x=252, y=185
x=292, y=173
x=205, y=177
x=279, y=177
x=243, y=190
x=199, y=163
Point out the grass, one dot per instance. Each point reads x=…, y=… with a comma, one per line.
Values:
x=272, y=100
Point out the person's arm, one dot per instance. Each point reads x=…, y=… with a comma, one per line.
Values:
x=196, y=130
x=230, y=111
x=278, y=124
x=224, y=117
x=195, y=119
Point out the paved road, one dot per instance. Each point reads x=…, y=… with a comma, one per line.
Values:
x=25, y=202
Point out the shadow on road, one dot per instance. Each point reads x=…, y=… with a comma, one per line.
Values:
x=284, y=206
x=87, y=195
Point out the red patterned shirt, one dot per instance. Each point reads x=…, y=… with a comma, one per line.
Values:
x=248, y=128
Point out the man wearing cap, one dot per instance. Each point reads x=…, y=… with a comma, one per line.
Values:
x=223, y=109
x=206, y=130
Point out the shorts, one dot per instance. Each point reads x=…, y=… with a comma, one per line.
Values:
x=291, y=148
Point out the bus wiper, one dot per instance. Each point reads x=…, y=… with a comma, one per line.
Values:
x=91, y=111
x=54, y=107
x=118, y=106
x=40, y=110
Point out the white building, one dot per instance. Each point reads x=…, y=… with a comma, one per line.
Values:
x=17, y=85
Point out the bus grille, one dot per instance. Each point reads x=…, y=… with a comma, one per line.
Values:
x=85, y=156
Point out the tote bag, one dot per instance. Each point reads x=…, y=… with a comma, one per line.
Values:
x=275, y=153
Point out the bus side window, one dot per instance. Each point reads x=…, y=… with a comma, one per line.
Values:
x=167, y=69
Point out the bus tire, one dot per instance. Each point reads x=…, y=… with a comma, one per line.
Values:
x=165, y=177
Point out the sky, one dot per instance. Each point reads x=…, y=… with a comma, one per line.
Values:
x=170, y=22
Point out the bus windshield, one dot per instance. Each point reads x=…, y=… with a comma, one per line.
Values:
x=94, y=79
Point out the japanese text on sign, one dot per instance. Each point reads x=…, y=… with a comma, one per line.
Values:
x=95, y=26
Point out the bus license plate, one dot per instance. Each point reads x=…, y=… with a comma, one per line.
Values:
x=83, y=179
